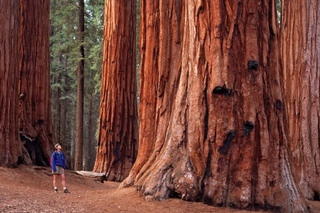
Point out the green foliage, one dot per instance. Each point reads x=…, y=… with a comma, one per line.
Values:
x=94, y=30
x=63, y=40
x=279, y=10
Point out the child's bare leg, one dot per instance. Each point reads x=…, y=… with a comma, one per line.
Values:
x=55, y=180
x=63, y=181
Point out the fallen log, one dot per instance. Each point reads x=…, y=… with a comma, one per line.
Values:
x=90, y=174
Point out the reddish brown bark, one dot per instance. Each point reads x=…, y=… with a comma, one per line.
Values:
x=34, y=88
x=10, y=146
x=78, y=164
x=118, y=112
x=300, y=53
x=211, y=110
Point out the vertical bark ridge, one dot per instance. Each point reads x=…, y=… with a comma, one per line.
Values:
x=10, y=146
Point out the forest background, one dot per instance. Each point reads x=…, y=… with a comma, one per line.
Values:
x=64, y=52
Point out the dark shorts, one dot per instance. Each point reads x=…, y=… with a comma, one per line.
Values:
x=59, y=171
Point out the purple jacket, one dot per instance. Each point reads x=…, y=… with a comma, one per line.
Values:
x=58, y=159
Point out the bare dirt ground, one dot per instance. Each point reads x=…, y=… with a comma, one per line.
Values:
x=29, y=189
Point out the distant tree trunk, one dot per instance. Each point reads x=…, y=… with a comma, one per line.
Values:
x=34, y=86
x=68, y=124
x=301, y=57
x=211, y=112
x=10, y=146
x=118, y=112
x=59, y=120
x=90, y=145
x=63, y=118
x=80, y=94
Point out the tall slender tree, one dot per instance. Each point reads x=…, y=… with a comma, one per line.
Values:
x=34, y=82
x=10, y=146
x=80, y=94
x=93, y=67
x=301, y=57
x=118, y=112
x=211, y=110
x=64, y=62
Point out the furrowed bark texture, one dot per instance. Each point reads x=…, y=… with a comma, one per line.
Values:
x=10, y=146
x=34, y=83
x=211, y=128
x=300, y=53
x=117, y=145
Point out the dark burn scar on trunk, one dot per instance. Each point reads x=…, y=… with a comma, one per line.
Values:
x=253, y=65
x=222, y=90
x=117, y=152
x=247, y=128
x=278, y=104
x=224, y=149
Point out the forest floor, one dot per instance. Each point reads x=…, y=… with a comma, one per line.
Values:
x=29, y=189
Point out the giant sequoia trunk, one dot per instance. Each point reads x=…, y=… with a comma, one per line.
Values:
x=34, y=88
x=118, y=112
x=211, y=110
x=10, y=146
x=301, y=57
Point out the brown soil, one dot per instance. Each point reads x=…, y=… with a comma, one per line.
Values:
x=29, y=189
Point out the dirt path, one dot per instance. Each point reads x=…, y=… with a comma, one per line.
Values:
x=29, y=189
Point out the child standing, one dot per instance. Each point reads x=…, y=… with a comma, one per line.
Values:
x=58, y=165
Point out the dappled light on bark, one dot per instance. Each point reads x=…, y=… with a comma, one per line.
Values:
x=211, y=118
x=300, y=54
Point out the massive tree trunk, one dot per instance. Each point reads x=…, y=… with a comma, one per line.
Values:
x=300, y=53
x=10, y=146
x=211, y=112
x=78, y=164
x=34, y=85
x=118, y=112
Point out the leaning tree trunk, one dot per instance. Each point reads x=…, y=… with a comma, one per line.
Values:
x=211, y=106
x=78, y=164
x=301, y=57
x=34, y=86
x=118, y=112
x=10, y=146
